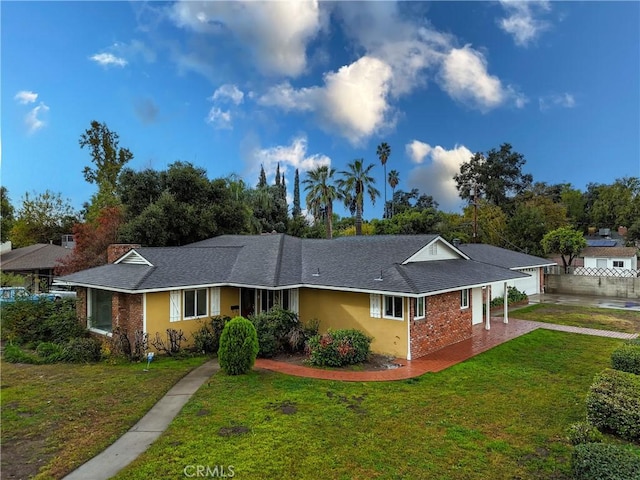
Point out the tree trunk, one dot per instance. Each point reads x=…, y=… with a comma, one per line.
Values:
x=358, y=219
x=329, y=213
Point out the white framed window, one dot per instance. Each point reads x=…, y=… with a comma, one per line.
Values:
x=464, y=298
x=393, y=307
x=195, y=303
x=421, y=308
x=618, y=264
x=433, y=249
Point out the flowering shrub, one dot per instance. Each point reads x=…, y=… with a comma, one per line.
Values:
x=337, y=348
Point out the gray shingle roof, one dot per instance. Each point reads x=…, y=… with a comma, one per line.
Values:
x=40, y=256
x=502, y=257
x=355, y=263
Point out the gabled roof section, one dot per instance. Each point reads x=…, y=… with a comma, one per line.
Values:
x=502, y=257
x=609, y=252
x=436, y=249
x=133, y=258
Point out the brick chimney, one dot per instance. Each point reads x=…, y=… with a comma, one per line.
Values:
x=622, y=231
x=116, y=250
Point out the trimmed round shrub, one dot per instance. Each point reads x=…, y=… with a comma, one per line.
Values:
x=50, y=352
x=613, y=403
x=602, y=461
x=627, y=358
x=238, y=346
x=583, y=432
x=82, y=350
x=338, y=348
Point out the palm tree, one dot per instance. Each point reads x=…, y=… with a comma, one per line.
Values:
x=321, y=192
x=356, y=180
x=394, y=180
x=383, y=152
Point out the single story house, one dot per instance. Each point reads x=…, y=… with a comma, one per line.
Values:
x=35, y=263
x=412, y=294
x=609, y=261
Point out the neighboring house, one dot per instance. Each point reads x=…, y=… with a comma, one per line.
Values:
x=531, y=265
x=35, y=262
x=609, y=261
x=413, y=294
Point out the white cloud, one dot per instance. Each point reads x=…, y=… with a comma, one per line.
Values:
x=228, y=92
x=25, y=97
x=417, y=150
x=465, y=78
x=522, y=20
x=275, y=33
x=562, y=100
x=435, y=177
x=33, y=119
x=219, y=118
x=108, y=60
x=352, y=103
x=293, y=156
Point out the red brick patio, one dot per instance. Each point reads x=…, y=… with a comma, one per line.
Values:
x=481, y=341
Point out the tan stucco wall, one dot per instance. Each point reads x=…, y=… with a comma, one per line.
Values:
x=339, y=310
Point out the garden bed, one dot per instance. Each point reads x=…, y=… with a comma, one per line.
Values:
x=375, y=363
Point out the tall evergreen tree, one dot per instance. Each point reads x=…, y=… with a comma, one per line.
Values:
x=278, y=174
x=262, y=181
x=296, y=212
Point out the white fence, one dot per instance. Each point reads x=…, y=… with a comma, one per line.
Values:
x=594, y=272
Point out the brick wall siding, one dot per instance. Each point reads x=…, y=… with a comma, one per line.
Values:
x=126, y=312
x=444, y=324
x=81, y=305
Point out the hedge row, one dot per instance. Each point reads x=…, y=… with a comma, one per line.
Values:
x=627, y=358
x=604, y=461
x=613, y=404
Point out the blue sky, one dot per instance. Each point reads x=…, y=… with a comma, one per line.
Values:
x=229, y=86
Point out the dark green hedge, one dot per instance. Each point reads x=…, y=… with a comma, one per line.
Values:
x=602, y=461
x=613, y=404
x=627, y=358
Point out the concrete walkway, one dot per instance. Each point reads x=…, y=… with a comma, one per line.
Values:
x=140, y=437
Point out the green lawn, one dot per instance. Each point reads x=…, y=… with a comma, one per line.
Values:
x=56, y=417
x=590, y=317
x=500, y=415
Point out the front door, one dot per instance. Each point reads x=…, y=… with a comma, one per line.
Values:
x=247, y=301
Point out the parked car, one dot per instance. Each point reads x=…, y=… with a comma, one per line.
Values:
x=16, y=294
x=62, y=290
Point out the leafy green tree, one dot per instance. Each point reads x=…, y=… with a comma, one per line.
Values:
x=617, y=204
x=525, y=229
x=181, y=205
x=412, y=200
x=262, y=180
x=321, y=193
x=496, y=176
x=566, y=241
x=384, y=151
x=575, y=203
x=6, y=214
x=409, y=222
x=108, y=159
x=491, y=221
x=42, y=218
x=394, y=180
x=356, y=181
